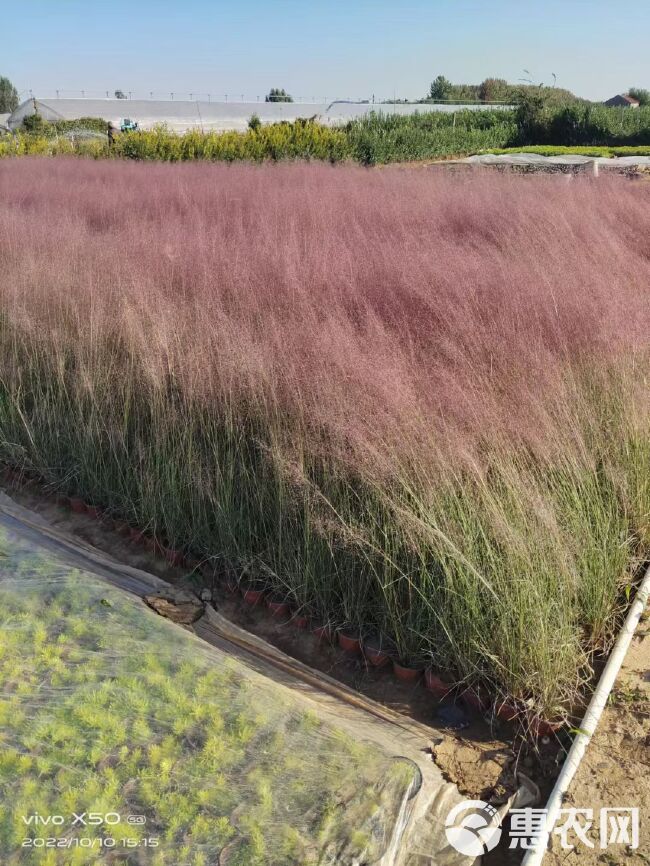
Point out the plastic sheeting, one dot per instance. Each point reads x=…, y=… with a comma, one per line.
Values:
x=569, y=161
x=127, y=739
x=181, y=115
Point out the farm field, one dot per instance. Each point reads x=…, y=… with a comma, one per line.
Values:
x=414, y=406
x=378, y=138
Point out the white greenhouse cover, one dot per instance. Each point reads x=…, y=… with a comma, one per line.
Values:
x=182, y=115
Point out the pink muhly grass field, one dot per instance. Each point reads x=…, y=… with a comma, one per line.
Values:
x=412, y=401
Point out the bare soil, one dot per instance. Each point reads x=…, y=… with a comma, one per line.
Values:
x=615, y=770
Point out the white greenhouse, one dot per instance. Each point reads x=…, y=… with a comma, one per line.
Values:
x=183, y=115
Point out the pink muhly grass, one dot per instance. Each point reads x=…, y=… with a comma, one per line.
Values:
x=436, y=367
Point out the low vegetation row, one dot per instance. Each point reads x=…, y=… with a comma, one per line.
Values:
x=496, y=90
x=379, y=138
x=576, y=150
x=411, y=405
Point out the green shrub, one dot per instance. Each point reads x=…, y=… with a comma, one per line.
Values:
x=34, y=124
x=92, y=124
x=277, y=141
x=382, y=138
x=587, y=124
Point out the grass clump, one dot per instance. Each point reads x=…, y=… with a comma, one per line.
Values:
x=413, y=404
x=108, y=709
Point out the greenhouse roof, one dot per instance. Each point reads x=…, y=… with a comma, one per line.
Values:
x=182, y=115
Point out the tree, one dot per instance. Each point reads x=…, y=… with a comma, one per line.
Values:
x=277, y=94
x=530, y=102
x=494, y=90
x=119, y=94
x=35, y=124
x=641, y=94
x=440, y=88
x=8, y=96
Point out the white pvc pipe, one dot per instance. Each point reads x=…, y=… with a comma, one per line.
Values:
x=590, y=721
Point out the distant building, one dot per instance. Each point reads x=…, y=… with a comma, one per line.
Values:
x=622, y=101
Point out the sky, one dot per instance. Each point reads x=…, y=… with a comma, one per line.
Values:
x=320, y=49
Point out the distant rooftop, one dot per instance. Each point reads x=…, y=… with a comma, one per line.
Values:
x=622, y=99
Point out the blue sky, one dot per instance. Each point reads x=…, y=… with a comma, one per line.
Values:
x=321, y=49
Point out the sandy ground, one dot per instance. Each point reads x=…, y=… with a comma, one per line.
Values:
x=482, y=759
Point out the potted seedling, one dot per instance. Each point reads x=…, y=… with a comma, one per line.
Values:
x=278, y=605
x=407, y=669
x=540, y=725
x=300, y=611
x=136, y=534
x=476, y=698
x=376, y=650
x=77, y=505
x=150, y=543
x=220, y=571
x=300, y=618
x=252, y=591
x=507, y=709
x=174, y=556
x=349, y=639
x=120, y=526
x=324, y=633
x=435, y=684
x=408, y=665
